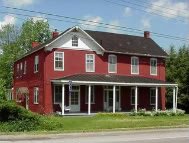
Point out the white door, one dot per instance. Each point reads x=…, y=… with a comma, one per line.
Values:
x=74, y=100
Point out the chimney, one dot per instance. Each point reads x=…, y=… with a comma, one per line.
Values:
x=55, y=33
x=146, y=34
x=35, y=44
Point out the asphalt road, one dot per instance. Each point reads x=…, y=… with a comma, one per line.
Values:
x=179, y=135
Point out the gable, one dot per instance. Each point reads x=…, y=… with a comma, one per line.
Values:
x=84, y=42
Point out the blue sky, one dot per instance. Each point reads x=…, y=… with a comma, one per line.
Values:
x=126, y=13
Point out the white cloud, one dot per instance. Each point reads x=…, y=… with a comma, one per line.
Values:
x=112, y=28
x=127, y=11
x=8, y=19
x=170, y=8
x=146, y=25
x=39, y=18
x=92, y=22
x=17, y=3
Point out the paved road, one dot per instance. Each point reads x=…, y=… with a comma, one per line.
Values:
x=147, y=136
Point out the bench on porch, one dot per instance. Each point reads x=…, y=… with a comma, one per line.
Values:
x=57, y=108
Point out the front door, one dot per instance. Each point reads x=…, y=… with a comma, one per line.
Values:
x=108, y=99
x=74, y=100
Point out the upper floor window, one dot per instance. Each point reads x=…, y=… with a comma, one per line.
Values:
x=134, y=65
x=75, y=41
x=36, y=64
x=152, y=96
x=112, y=63
x=153, y=66
x=92, y=95
x=21, y=67
x=17, y=69
x=90, y=62
x=59, y=61
x=36, y=95
x=25, y=67
x=133, y=96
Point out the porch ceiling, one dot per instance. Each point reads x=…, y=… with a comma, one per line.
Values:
x=110, y=79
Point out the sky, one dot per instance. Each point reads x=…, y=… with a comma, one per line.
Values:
x=160, y=17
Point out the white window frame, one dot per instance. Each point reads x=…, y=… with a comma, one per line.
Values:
x=36, y=95
x=131, y=94
x=89, y=62
x=132, y=65
x=75, y=40
x=92, y=94
x=154, y=90
x=36, y=64
x=153, y=59
x=110, y=64
x=58, y=69
x=21, y=66
x=25, y=67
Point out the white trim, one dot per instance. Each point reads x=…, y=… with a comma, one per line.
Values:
x=155, y=59
x=116, y=83
x=62, y=61
x=36, y=95
x=114, y=98
x=113, y=56
x=133, y=88
x=153, y=88
x=137, y=58
x=89, y=99
x=156, y=99
x=63, y=94
x=93, y=93
x=136, y=98
x=93, y=55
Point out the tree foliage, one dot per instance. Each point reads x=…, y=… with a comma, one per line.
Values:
x=177, y=70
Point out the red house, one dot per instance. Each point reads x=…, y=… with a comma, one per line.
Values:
x=116, y=72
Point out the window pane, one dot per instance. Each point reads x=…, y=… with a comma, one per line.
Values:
x=58, y=94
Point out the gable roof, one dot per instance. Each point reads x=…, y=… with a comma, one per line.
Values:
x=127, y=44
x=114, y=43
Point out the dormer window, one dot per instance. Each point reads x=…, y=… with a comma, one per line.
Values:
x=75, y=41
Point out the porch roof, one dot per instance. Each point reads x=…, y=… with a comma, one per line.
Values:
x=110, y=79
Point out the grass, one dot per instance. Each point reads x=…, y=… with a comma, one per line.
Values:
x=103, y=122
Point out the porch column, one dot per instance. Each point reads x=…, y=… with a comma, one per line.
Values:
x=114, y=95
x=174, y=108
x=89, y=99
x=136, y=98
x=156, y=99
x=176, y=96
x=63, y=92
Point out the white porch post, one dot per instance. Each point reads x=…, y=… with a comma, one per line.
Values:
x=63, y=92
x=89, y=99
x=114, y=95
x=176, y=96
x=136, y=98
x=174, y=108
x=156, y=99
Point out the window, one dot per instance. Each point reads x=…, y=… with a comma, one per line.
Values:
x=152, y=96
x=133, y=96
x=17, y=69
x=25, y=67
x=112, y=63
x=59, y=61
x=134, y=65
x=90, y=63
x=57, y=94
x=36, y=65
x=36, y=95
x=75, y=41
x=153, y=66
x=92, y=95
x=21, y=67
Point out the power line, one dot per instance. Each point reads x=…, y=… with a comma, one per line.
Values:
x=152, y=13
x=105, y=25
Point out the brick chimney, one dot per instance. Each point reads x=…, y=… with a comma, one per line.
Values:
x=55, y=33
x=146, y=34
x=35, y=44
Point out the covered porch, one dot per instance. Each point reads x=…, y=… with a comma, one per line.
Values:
x=109, y=93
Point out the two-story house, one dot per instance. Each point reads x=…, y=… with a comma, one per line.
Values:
x=117, y=72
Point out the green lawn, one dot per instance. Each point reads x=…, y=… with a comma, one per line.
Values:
x=95, y=123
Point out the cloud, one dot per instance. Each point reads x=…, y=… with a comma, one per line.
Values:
x=127, y=11
x=170, y=8
x=18, y=3
x=113, y=29
x=39, y=18
x=146, y=25
x=92, y=22
x=8, y=19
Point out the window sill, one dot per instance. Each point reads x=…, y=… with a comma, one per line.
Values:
x=58, y=69
x=135, y=73
x=36, y=103
x=153, y=74
x=36, y=71
x=91, y=103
